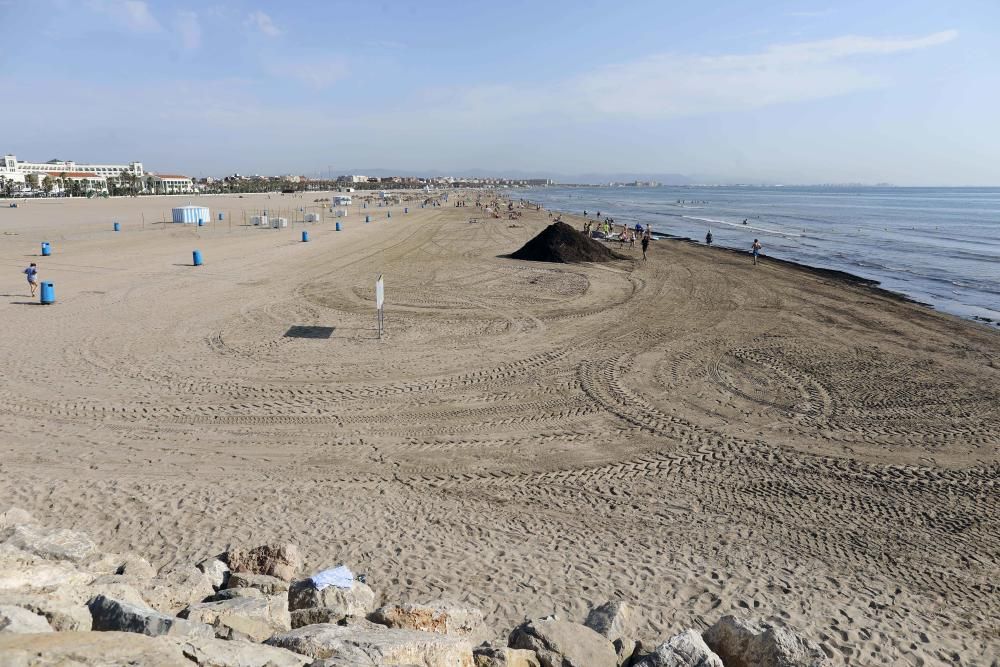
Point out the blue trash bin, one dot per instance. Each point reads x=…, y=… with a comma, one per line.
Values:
x=368, y=219
x=338, y=227
x=48, y=293
x=196, y=256
x=46, y=249
x=201, y=223
x=220, y=216
x=305, y=236
x=406, y=210
x=389, y=214
x=118, y=227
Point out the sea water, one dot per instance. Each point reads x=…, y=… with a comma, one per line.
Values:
x=939, y=246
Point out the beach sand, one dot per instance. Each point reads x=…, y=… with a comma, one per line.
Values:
x=693, y=434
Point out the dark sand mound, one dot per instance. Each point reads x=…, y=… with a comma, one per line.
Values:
x=561, y=243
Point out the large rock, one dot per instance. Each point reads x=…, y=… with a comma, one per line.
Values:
x=20, y=620
x=750, y=643
x=615, y=621
x=130, y=565
x=53, y=543
x=115, y=615
x=216, y=571
x=61, y=611
x=222, y=653
x=358, y=600
x=13, y=517
x=564, y=644
x=75, y=649
x=502, y=656
x=262, y=582
x=684, y=650
x=383, y=646
x=276, y=560
x=449, y=618
x=172, y=590
x=256, y=618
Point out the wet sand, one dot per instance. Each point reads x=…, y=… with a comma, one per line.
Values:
x=692, y=433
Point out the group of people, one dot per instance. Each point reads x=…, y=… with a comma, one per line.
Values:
x=626, y=235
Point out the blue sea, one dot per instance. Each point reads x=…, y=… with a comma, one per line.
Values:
x=939, y=246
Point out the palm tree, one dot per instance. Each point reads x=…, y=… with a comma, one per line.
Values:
x=47, y=185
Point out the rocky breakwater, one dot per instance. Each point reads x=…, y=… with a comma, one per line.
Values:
x=64, y=601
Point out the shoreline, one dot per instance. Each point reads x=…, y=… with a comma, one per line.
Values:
x=834, y=274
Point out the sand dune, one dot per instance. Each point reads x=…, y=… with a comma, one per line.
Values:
x=692, y=433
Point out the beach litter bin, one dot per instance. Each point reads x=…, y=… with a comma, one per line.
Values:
x=118, y=227
x=48, y=293
x=201, y=223
x=220, y=216
x=305, y=236
x=338, y=227
x=46, y=249
x=368, y=219
x=196, y=257
x=406, y=210
x=389, y=214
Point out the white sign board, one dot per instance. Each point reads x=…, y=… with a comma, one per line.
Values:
x=379, y=293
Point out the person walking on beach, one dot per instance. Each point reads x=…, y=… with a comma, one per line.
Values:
x=645, y=243
x=708, y=238
x=755, y=250
x=32, y=273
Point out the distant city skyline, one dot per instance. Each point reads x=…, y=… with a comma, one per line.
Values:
x=791, y=92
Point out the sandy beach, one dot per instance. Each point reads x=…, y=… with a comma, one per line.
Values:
x=693, y=434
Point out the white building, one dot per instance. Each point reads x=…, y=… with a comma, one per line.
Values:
x=17, y=170
x=352, y=179
x=169, y=184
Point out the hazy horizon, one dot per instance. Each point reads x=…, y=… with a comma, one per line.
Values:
x=781, y=92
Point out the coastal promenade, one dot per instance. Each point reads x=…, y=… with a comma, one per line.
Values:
x=694, y=434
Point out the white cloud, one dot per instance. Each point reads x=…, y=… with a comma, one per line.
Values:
x=263, y=23
x=671, y=85
x=134, y=15
x=189, y=29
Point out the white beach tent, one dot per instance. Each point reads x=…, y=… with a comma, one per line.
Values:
x=190, y=215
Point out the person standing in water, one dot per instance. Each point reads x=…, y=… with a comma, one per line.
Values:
x=708, y=238
x=755, y=250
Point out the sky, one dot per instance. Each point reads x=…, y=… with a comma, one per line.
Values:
x=906, y=92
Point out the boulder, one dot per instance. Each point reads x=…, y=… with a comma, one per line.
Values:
x=20, y=620
x=13, y=517
x=684, y=650
x=358, y=600
x=615, y=621
x=20, y=570
x=62, y=611
x=230, y=593
x=112, y=586
x=383, y=646
x=172, y=590
x=276, y=560
x=222, y=653
x=72, y=649
x=256, y=618
x=750, y=643
x=502, y=656
x=314, y=615
x=111, y=614
x=216, y=571
x=53, y=543
x=135, y=566
x=448, y=618
x=262, y=582
x=564, y=644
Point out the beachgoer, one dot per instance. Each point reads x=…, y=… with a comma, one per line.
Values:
x=32, y=273
x=708, y=238
x=645, y=243
x=744, y=221
x=755, y=250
